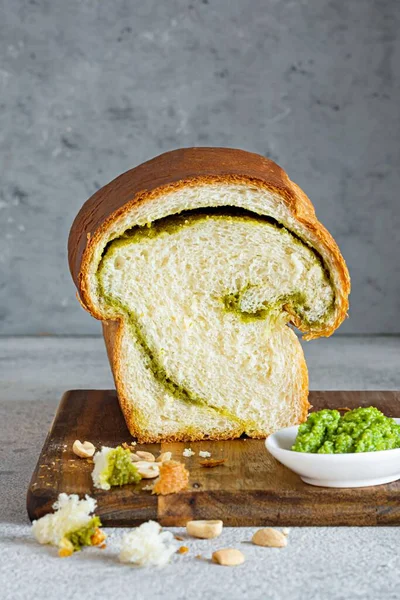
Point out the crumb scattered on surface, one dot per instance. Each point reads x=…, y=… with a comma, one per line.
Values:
x=179, y=538
x=188, y=452
x=212, y=462
x=174, y=477
x=286, y=530
x=183, y=550
x=204, y=454
x=71, y=515
x=147, y=546
x=130, y=446
x=98, y=537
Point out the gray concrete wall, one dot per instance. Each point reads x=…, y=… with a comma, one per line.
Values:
x=90, y=88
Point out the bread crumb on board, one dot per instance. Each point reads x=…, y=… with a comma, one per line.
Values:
x=174, y=477
x=130, y=446
x=204, y=454
x=148, y=488
x=188, y=452
x=212, y=462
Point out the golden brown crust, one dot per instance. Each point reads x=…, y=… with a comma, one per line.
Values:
x=169, y=172
x=112, y=333
x=305, y=405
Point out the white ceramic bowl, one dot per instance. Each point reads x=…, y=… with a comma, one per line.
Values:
x=360, y=469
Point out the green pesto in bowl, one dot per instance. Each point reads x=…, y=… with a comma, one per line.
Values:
x=358, y=430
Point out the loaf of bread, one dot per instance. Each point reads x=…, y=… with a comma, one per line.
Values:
x=199, y=262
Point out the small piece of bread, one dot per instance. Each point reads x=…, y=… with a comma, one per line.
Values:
x=71, y=526
x=204, y=454
x=196, y=262
x=174, y=477
x=147, y=546
x=188, y=452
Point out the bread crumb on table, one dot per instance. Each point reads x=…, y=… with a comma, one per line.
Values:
x=204, y=454
x=147, y=546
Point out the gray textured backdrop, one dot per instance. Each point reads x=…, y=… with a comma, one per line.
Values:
x=90, y=88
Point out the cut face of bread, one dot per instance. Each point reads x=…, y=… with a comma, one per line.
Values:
x=197, y=286
x=206, y=297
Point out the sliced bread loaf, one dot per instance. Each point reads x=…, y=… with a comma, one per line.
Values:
x=197, y=262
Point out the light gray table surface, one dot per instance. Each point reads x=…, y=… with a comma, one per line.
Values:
x=326, y=563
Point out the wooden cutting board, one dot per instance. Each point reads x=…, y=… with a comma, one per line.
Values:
x=252, y=488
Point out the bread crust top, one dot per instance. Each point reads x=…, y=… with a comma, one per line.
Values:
x=189, y=167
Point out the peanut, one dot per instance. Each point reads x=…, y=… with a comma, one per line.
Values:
x=205, y=530
x=269, y=537
x=147, y=470
x=147, y=456
x=85, y=450
x=164, y=456
x=228, y=557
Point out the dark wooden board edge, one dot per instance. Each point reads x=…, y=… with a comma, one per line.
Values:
x=39, y=502
x=233, y=509
x=269, y=510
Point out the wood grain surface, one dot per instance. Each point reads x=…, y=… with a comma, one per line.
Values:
x=251, y=488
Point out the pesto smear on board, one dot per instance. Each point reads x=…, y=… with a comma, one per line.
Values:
x=359, y=430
